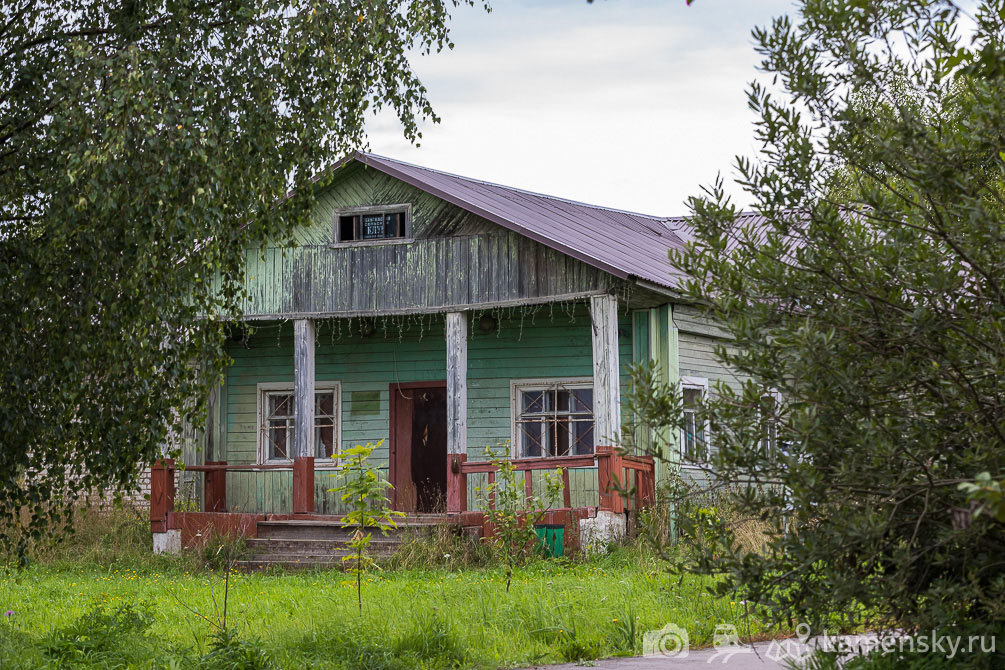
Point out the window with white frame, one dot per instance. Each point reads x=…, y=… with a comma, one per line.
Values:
x=276, y=403
x=553, y=417
x=694, y=437
x=769, y=423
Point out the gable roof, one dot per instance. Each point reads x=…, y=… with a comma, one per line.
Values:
x=625, y=244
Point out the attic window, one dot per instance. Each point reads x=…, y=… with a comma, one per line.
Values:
x=372, y=224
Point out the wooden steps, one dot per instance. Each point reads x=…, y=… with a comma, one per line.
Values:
x=321, y=544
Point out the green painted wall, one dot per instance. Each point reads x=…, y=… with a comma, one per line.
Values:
x=546, y=342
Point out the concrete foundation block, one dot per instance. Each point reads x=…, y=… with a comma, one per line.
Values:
x=168, y=542
x=602, y=529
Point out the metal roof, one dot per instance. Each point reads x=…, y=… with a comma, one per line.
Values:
x=625, y=244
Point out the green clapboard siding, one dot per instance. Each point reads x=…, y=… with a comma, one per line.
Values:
x=527, y=344
x=553, y=343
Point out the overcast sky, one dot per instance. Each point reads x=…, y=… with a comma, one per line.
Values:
x=632, y=104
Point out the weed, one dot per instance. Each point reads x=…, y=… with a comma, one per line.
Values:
x=221, y=552
x=512, y=513
x=227, y=651
x=434, y=643
x=364, y=491
x=576, y=647
x=442, y=546
x=101, y=636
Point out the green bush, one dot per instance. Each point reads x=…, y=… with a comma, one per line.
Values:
x=433, y=643
x=102, y=638
x=219, y=552
x=227, y=651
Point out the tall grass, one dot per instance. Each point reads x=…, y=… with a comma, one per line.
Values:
x=557, y=610
x=99, y=599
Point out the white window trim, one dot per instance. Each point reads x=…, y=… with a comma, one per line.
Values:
x=260, y=445
x=539, y=383
x=775, y=395
x=700, y=383
x=373, y=209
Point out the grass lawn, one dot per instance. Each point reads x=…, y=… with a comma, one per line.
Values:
x=556, y=611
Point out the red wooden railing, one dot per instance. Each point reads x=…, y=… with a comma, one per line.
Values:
x=615, y=474
x=162, y=486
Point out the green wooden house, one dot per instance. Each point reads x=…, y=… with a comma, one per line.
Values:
x=438, y=316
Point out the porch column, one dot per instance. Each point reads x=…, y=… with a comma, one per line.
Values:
x=606, y=370
x=303, y=421
x=457, y=409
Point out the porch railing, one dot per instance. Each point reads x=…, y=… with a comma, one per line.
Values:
x=617, y=475
x=623, y=483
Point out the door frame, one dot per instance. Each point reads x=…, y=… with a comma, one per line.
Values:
x=399, y=422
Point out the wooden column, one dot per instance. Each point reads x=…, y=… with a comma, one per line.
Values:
x=161, y=494
x=609, y=479
x=606, y=370
x=457, y=408
x=303, y=440
x=664, y=350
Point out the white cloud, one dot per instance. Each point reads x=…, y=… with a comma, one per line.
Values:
x=615, y=104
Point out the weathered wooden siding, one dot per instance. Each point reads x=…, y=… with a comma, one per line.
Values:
x=454, y=260
x=436, y=274
x=359, y=186
x=698, y=339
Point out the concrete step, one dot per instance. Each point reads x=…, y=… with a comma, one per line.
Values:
x=295, y=546
x=333, y=530
x=303, y=544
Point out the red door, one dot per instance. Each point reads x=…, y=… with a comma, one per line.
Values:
x=418, y=446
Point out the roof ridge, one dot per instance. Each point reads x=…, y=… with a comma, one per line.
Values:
x=654, y=217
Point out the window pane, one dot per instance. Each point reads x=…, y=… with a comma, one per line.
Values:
x=373, y=226
x=280, y=405
x=532, y=401
x=692, y=397
x=531, y=439
x=582, y=432
x=324, y=403
x=582, y=400
x=769, y=424
x=280, y=437
x=324, y=441
x=562, y=404
x=561, y=437
x=689, y=436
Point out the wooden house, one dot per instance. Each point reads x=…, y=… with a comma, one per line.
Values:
x=437, y=316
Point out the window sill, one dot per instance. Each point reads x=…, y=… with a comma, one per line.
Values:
x=372, y=243
x=288, y=463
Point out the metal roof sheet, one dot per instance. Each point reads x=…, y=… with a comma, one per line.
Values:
x=625, y=244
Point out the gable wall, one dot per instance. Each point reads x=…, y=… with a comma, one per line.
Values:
x=455, y=260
